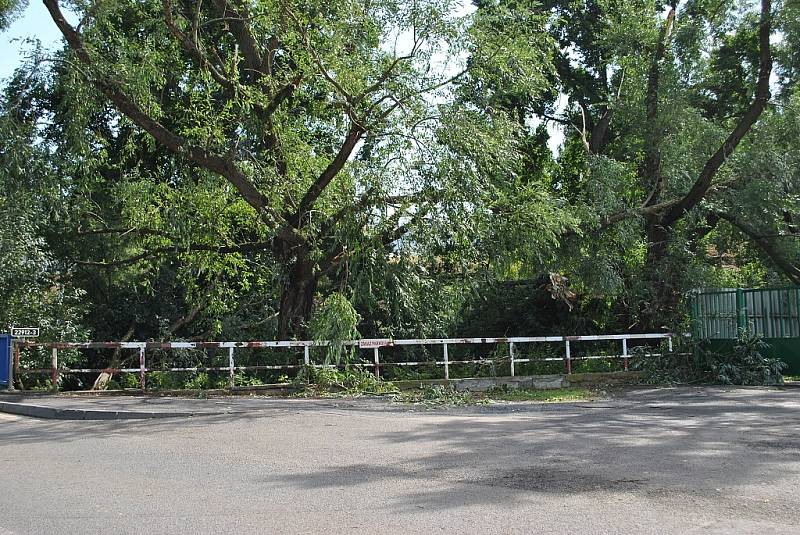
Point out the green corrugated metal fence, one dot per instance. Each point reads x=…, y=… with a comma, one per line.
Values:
x=774, y=313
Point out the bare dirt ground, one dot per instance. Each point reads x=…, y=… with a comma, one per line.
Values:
x=678, y=460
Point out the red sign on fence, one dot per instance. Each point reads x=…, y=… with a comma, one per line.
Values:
x=368, y=343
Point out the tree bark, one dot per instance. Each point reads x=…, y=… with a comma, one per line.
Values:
x=661, y=270
x=660, y=279
x=297, y=298
x=657, y=278
x=762, y=95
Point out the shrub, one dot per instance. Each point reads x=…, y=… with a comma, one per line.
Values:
x=745, y=365
x=694, y=362
x=440, y=395
x=350, y=381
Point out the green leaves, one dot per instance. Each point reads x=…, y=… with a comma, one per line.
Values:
x=397, y=153
x=509, y=54
x=335, y=320
x=10, y=10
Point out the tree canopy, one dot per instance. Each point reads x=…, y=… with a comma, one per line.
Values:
x=219, y=168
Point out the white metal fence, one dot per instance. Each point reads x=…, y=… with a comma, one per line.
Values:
x=374, y=345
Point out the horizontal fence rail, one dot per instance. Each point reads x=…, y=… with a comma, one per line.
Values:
x=373, y=345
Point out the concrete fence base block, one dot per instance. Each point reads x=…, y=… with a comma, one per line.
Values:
x=534, y=382
x=481, y=384
x=607, y=378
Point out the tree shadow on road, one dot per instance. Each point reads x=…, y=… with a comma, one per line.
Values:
x=705, y=445
x=710, y=446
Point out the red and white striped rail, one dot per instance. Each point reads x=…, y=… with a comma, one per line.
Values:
x=374, y=344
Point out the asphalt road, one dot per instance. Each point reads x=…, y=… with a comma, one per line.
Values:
x=685, y=460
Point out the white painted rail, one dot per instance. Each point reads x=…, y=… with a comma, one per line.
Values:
x=374, y=345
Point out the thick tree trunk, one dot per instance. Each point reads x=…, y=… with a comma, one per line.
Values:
x=297, y=299
x=662, y=297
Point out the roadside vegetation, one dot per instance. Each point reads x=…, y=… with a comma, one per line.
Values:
x=355, y=382
x=447, y=395
x=694, y=362
x=441, y=395
x=352, y=381
x=555, y=395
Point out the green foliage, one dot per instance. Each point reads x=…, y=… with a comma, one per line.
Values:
x=10, y=10
x=693, y=362
x=448, y=207
x=129, y=381
x=205, y=381
x=670, y=367
x=336, y=321
x=556, y=395
x=439, y=395
x=518, y=308
x=745, y=365
x=158, y=380
x=510, y=56
x=351, y=381
x=242, y=379
x=415, y=373
x=150, y=225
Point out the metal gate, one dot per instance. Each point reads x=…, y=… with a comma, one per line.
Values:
x=774, y=313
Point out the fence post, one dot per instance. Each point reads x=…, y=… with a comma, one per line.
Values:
x=54, y=370
x=446, y=363
x=625, y=353
x=568, y=358
x=796, y=308
x=231, y=366
x=511, y=354
x=697, y=325
x=141, y=367
x=377, y=363
x=669, y=344
x=741, y=311
x=307, y=362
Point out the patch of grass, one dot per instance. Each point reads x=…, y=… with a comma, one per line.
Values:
x=350, y=382
x=448, y=396
x=791, y=378
x=555, y=395
x=439, y=395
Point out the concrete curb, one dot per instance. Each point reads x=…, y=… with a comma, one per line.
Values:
x=53, y=413
x=279, y=388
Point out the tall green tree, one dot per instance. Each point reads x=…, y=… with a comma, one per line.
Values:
x=309, y=135
x=660, y=99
